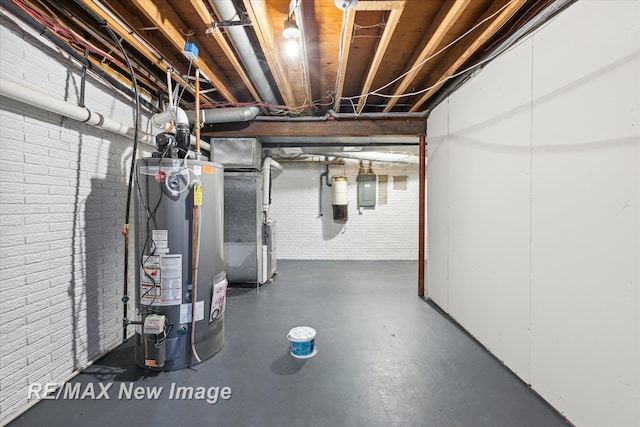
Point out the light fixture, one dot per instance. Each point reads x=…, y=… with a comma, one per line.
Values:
x=345, y=4
x=292, y=48
x=291, y=30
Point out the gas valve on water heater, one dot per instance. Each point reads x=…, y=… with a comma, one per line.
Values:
x=340, y=198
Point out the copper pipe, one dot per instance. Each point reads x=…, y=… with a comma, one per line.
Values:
x=196, y=230
x=194, y=277
x=421, y=208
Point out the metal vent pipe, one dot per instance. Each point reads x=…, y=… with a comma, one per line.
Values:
x=228, y=12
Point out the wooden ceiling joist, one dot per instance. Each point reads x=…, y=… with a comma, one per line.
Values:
x=404, y=36
x=349, y=19
x=136, y=44
x=167, y=21
x=396, y=8
x=462, y=54
x=143, y=75
x=446, y=17
x=263, y=26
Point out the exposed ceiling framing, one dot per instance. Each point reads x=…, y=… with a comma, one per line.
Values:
x=382, y=61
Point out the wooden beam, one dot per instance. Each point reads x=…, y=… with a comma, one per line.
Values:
x=143, y=75
x=349, y=19
x=123, y=33
x=205, y=16
x=167, y=21
x=262, y=24
x=378, y=5
x=497, y=23
x=392, y=22
x=330, y=128
x=446, y=17
x=304, y=59
x=162, y=64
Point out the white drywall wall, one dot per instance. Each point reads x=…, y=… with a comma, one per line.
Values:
x=534, y=171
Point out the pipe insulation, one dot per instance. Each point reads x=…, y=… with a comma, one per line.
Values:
x=35, y=98
x=227, y=12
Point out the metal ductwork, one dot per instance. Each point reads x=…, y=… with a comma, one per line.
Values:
x=225, y=115
x=227, y=12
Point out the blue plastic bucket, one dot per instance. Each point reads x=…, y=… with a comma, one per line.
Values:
x=302, y=342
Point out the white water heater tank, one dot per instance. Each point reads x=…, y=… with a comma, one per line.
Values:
x=340, y=198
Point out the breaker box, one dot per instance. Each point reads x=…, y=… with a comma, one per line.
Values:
x=367, y=190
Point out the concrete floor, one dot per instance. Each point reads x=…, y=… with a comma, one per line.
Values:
x=385, y=358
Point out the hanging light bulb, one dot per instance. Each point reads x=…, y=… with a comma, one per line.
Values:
x=292, y=48
x=291, y=30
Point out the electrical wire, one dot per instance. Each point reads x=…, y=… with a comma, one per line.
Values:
x=185, y=85
x=429, y=58
x=161, y=338
x=149, y=244
x=125, y=229
x=357, y=27
x=67, y=35
x=293, y=5
x=441, y=81
x=376, y=92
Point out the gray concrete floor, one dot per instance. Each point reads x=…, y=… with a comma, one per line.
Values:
x=385, y=358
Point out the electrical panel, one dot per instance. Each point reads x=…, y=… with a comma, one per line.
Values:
x=367, y=190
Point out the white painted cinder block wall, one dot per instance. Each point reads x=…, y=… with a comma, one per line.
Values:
x=388, y=231
x=534, y=211
x=62, y=202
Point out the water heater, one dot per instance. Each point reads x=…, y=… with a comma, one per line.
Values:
x=180, y=278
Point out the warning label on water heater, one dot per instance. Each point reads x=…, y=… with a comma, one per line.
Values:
x=161, y=282
x=161, y=241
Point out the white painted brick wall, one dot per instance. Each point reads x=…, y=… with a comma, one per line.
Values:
x=386, y=232
x=62, y=203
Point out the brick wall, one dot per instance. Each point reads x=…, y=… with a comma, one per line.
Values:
x=63, y=189
x=388, y=231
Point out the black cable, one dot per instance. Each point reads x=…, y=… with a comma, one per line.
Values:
x=136, y=127
x=149, y=242
x=83, y=80
x=136, y=118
